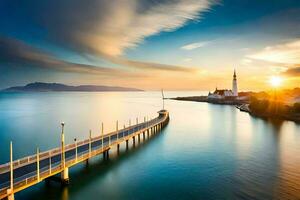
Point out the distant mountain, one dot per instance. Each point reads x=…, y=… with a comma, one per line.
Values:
x=57, y=87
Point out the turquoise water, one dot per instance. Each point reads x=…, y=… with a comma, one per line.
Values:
x=206, y=152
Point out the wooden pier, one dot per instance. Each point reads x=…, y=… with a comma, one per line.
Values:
x=20, y=174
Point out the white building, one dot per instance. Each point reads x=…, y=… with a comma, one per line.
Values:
x=221, y=94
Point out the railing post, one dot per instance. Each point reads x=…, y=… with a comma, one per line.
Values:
x=10, y=191
x=50, y=162
x=11, y=168
x=38, y=164
x=76, y=153
x=90, y=144
x=124, y=132
x=102, y=133
x=63, y=146
x=117, y=127
x=109, y=140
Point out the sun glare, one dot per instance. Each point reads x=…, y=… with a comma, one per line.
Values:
x=275, y=81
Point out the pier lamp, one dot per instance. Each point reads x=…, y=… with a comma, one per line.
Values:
x=62, y=134
x=62, y=129
x=75, y=140
x=62, y=144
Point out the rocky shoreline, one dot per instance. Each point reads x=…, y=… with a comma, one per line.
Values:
x=229, y=101
x=242, y=105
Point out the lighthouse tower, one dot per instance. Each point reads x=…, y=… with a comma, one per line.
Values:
x=234, y=85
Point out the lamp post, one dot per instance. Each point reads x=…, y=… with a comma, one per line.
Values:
x=75, y=140
x=102, y=135
x=38, y=164
x=90, y=144
x=124, y=131
x=117, y=129
x=50, y=161
x=63, y=145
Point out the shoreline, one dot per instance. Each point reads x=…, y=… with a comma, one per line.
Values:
x=242, y=105
x=233, y=102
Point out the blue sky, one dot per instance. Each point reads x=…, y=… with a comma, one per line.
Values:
x=174, y=44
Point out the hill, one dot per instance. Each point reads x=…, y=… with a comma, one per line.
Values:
x=57, y=87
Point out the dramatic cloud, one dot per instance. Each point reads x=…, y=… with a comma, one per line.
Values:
x=18, y=53
x=285, y=57
x=294, y=71
x=104, y=28
x=109, y=27
x=196, y=45
x=287, y=53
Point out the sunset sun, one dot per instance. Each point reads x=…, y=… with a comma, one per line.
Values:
x=276, y=81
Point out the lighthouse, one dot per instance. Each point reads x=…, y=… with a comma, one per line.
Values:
x=224, y=93
x=234, y=85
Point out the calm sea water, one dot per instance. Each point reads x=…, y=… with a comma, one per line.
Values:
x=206, y=152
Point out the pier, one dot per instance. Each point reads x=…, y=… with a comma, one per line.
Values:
x=20, y=174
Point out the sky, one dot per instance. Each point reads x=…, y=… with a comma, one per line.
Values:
x=150, y=44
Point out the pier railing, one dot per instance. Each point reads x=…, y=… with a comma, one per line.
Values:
x=25, y=172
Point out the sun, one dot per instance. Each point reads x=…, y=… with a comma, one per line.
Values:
x=275, y=81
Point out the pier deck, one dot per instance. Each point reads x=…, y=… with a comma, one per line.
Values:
x=25, y=172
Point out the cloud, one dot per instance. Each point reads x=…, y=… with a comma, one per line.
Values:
x=15, y=52
x=287, y=53
x=110, y=27
x=294, y=71
x=195, y=45
x=140, y=65
x=106, y=28
x=285, y=57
